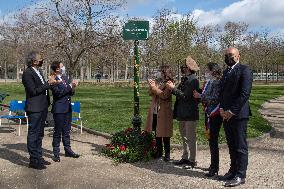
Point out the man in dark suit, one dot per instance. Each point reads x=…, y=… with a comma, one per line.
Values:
x=37, y=102
x=62, y=112
x=235, y=110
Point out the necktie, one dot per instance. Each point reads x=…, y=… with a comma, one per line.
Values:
x=228, y=72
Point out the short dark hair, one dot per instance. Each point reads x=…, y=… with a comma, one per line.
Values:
x=191, y=71
x=55, y=65
x=215, y=69
x=31, y=57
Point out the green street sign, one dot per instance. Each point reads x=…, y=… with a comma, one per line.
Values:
x=136, y=30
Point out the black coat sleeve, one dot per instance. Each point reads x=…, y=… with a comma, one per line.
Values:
x=187, y=92
x=30, y=86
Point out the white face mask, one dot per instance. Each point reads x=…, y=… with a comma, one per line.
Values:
x=208, y=76
x=158, y=75
x=63, y=70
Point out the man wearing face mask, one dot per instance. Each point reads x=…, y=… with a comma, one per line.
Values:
x=37, y=102
x=186, y=110
x=236, y=85
x=62, y=111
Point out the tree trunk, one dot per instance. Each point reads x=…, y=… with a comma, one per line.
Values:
x=277, y=72
x=109, y=73
x=117, y=71
x=82, y=74
x=17, y=67
x=90, y=70
x=46, y=70
x=112, y=72
x=266, y=71
x=5, y=75
x=126, y=71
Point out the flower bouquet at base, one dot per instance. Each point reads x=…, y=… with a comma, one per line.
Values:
x=131, y=146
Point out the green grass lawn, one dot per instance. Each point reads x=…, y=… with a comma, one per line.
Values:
x=109, y=109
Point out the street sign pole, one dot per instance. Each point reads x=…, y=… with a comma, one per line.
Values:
x=136, y=30
x=136, y=121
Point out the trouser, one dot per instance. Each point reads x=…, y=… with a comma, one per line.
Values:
x=61, y=129
x=188, y=135
x=161, y=142
x=236, y=132
x=35, y=134
x=215, y=125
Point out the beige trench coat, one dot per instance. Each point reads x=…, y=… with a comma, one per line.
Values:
x=163, y=97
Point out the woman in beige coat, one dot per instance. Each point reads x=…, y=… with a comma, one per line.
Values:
x=160, y=114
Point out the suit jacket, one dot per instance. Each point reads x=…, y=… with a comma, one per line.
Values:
x=62, y=96
x=36, y=98
x=186, y=106
x=235, y=90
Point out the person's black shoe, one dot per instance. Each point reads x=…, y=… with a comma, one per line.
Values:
x=44, y=162
x=158, y=155
x=56, y=159
x=167, y=158
x=72, y=154
x=182, y=162
x=211, y=173
x=38, y=166
x=190, y=165
x=236, y=181
x=228, y=176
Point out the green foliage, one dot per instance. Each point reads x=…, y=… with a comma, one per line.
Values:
x=131, y=146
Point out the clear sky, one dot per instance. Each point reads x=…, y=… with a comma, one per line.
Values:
x=257, y=13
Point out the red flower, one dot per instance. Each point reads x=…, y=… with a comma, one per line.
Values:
x=130, y=129
x=122, y=148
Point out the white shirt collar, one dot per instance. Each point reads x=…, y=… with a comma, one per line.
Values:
x=234, y=65
x=35, y=69
x=59, y=76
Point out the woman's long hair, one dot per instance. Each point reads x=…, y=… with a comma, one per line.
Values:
x=168, y=73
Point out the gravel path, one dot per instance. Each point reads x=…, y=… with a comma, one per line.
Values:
x=91, y=170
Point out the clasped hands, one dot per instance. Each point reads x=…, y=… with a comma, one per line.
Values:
x=74, y=83
x=170, y=85
x=226, y=115
x=53, y=81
